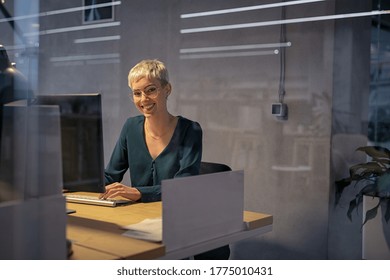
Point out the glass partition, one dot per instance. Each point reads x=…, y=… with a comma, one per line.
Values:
x=229, y=62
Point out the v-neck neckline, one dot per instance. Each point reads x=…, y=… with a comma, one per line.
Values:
x=165, y=148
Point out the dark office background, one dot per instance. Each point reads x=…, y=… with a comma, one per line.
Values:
x=227, y=80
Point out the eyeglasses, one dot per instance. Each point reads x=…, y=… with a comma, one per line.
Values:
x=150, y=91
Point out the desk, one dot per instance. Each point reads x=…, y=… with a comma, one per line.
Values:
x=96, y=232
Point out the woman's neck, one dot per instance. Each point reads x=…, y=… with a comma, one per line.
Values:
x=159, y=125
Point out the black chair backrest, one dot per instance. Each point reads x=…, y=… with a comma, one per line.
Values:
x=212, y=167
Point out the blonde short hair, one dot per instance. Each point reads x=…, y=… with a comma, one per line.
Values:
x=150, y=68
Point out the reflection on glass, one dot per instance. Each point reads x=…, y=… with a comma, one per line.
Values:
x=379, y=103
x=95, y=11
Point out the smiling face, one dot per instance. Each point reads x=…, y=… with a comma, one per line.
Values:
x=150, y=96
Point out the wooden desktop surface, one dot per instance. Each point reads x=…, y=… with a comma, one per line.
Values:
x=96, y=233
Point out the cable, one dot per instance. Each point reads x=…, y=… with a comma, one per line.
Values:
x=282, y=52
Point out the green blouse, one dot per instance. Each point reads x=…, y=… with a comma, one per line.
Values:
x=181, y=157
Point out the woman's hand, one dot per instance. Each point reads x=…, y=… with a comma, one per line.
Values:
x=118, y=189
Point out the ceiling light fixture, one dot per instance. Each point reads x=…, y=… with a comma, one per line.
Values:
x=249, y=8
x=236, y=47
x=278, y=22
x=62, y=11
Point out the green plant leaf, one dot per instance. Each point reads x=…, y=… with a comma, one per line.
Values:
x=370, y=189
x=383, y=183
x=372, y=178
x=354, y=204
x=376, y=152
x=387, y=212
x=371, y=214
x=340, y=186
x=365, y=170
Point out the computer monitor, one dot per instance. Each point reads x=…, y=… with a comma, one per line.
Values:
x=81, y=139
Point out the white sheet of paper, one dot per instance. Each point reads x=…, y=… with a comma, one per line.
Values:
x=148, y=229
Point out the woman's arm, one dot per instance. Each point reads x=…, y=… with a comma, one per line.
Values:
x=118, y=164
x=192, y=152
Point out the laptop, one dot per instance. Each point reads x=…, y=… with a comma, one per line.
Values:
x=199, y=208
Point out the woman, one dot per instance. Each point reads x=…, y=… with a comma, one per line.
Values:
x=155, y=145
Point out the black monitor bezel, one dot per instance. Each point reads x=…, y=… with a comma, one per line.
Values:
x=94, y=100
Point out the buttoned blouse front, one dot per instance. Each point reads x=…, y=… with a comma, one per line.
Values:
x=181, y=157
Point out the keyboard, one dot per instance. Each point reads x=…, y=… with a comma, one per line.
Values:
x=94, y=200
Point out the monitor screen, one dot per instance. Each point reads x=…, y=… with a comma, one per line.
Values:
x=81, y=139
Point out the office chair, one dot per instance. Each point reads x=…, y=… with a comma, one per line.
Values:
x=212, y=167
x=222, y=253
